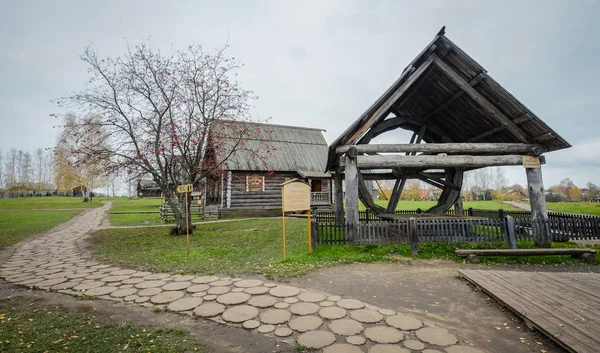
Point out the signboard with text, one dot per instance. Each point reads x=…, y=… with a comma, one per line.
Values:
x=531, y=162
x=255, y=183
x=185, y=188
x=296, y=196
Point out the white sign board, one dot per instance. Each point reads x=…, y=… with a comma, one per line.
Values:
x=531, y=162
x=296, y=196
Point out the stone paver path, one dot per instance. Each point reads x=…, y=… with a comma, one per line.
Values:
x=294, y=315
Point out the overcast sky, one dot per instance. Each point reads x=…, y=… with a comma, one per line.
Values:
x=317, y=63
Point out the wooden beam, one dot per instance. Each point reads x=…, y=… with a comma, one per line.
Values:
x=385, y=107
x=441, y=181
x=523, y=118
x=351, y=175
x=539, y=212
x=430, y=182
x=365, y=196
x=425, y=161
x=499, y=148
x=489, y=108
x=339, y=196
x=393, y=176
x=454, y=97
x=395, y=197
x=544, y=137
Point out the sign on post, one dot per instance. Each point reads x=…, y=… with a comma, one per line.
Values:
x=186, y=188
x=295, y=196
x=531, y=162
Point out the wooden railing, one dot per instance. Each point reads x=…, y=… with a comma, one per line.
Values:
x=319, y=198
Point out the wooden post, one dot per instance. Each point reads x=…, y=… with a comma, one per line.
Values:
x=283, y=224
x=510, y=232
x=414, y=237
x=539, y=213
x=187, y=223
x=351, y=177
x=309, y=235
x=458, y=207
x=339, y=196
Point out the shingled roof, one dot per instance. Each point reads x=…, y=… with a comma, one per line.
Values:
x=292, y=148
x=451, y=94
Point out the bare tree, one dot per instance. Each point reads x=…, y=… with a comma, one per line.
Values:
x=1, y=171
x=160, y=114
x=11, y=169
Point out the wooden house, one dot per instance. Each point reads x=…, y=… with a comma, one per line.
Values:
x=250, y=183
x=148, y=188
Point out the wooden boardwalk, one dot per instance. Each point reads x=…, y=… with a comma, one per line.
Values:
x=564, y=306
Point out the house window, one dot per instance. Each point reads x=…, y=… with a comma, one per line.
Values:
x=317, y=186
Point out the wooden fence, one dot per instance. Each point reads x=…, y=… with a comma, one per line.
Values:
x=453, y=231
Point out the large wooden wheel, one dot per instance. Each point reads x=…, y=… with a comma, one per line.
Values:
x=450, y=181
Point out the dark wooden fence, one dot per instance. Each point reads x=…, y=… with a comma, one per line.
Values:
x=455, y=230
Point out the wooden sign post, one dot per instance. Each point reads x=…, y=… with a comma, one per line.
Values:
x=186, y=189
x=295, y=196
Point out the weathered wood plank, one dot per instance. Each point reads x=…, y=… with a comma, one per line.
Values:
x=351, y=174
x=464, y=148
x=524, y=252
x=339, y=196
x=425, y=161
x=489, y=108
x=539, y=212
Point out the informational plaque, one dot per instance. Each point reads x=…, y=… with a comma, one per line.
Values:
x=185, y=188
x=296, y=196
x=531, y=162
x=255, y=183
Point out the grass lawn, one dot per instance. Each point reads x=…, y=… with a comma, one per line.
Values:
x=134, y=215
x=424, y=205
x=15, y=225
x=589, y=208
x=255, y=246
x=137, y=205
x=24, y=328
x=48, y=202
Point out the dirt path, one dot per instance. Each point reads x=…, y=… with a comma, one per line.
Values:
x=285, y=315
x=521, y=205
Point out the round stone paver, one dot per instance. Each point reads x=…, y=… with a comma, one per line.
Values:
x=463, y=349
x=387, y=312
x=326, y=303
x=220, y=283
x=332, y=313
x=312, y=297
x=167, y=297
x=140, y=300
x=218, y=290
x=437, y=336
x=266, y=328
x=183, y=278
x=156, y=276
x=334, y=298
x=262, y=301
x=283, y=332
x=304, y=308
x=356, y=340
x=366, y=316
x=247, y=283
x=387, y=348
x=282, y=305
x=121, y=293
x=346, y=327
x=256, y=290
x=51, y=282
x=291, y=300
x=209, y=309
x=342, y=348
x=270, y=285
x=198, y=288
x=122, y=272
x=233, y=298
x=115, y=278
x=350, y=304
x=184, y=304
x=176, y=285
x=240, y=313
x=150, y=292
x=275, y=316
x=88, y=285
x=210, y=297
x=205, y=279
x=130, y=280
x=150, y=284
x=130, y=298
x=316, y=339
x=383, y=334
x=403, y=322
x=100, y=290
x=305, y=323
x=237, y=290
x=284, y=291
x=414, y=345
x=251, y=324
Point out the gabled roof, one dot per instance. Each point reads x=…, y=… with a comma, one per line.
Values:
x=449, y=92
x=270, y=147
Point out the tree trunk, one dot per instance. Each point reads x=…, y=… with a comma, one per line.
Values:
x=84, y=195
x=178, y=204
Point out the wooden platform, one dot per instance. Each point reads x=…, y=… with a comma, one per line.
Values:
x=564, y=306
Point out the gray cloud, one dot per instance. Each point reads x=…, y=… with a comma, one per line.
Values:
x=317, y=63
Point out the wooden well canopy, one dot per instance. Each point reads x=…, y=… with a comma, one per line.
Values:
x=461, y=119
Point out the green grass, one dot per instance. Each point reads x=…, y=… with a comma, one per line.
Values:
x=589, y=208
x=137, y=205
x=134, y=217
x=24, y=328
x=424, y=205
x=15, y=225
x=255, y=246
x=51, y=202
